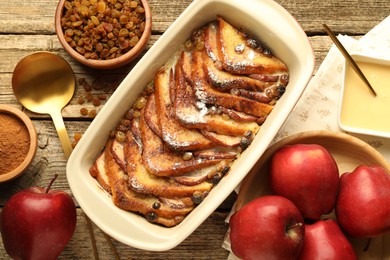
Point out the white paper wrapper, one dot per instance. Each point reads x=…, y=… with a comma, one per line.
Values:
x=318, y=107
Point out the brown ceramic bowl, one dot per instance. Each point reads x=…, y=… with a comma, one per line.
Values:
x=24, y=121
x=348, y=151
x=126, y=58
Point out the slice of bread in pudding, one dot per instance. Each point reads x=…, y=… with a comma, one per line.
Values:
x=194, y=114
x=218, y=77
x=242, y=54
x=98, y=171
x=150, y=115
x=175, y=135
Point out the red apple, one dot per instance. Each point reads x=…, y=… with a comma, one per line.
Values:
x=363, y=203
x=325, y=240
x=37, y=223
x=268, y=227
x=306, y=174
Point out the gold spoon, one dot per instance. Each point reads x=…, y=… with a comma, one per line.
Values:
x=44, y=83
x=348, y=57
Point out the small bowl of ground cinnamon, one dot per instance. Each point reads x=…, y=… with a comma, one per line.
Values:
x=18, y=142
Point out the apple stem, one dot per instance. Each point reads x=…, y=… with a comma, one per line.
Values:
x=298, y=224
x=51, y=183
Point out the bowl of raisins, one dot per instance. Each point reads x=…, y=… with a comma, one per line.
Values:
x=103, y=34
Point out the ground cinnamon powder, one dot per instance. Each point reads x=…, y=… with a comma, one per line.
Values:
x=14, y=142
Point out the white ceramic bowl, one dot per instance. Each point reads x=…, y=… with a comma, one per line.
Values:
x=269, y=22
x=360, y=111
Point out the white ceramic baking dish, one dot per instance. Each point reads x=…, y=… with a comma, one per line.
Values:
x=265, y=19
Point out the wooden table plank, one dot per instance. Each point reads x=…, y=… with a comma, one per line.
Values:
x=350, y=16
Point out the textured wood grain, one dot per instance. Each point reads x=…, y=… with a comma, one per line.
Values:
x=350, y=16
x=28, y=26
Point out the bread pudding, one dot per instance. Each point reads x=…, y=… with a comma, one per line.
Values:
x=180, y=137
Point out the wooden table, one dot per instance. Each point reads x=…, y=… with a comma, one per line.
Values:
x=28, y=26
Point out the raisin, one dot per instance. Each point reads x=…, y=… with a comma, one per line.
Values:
x=151, y=216
x=225, y=170
x=187, y=156
x=92, y=113
x=197, y=197
x=84, y=111
x=80, y=100
x=120, y=136
x=216, y=178
x=96, y=101
x=156, y=205
x=245, y=142
x=281, y=90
